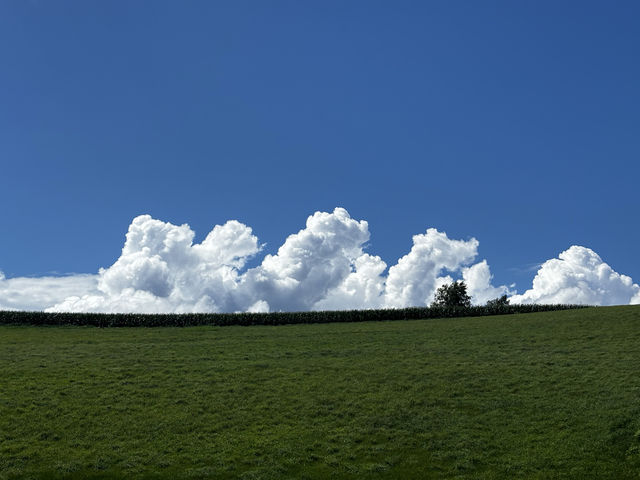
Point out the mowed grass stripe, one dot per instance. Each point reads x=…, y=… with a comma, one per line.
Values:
x=543, y=395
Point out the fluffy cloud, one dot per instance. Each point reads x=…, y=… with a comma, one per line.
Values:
x=323, y=266
x=416, y=276
x=24, y=293
x=362, y=288
x=310, y=263
x=579, y=275
x=478, y=279
x=161, y=270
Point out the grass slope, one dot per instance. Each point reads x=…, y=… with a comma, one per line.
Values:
x=544, y=395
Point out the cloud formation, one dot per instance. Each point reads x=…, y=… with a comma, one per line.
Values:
x=416, y=276
x=579, y=275
x=309, y=264
x=161, y=270
x=323, y=266
x=478, y=278
x=24, y=293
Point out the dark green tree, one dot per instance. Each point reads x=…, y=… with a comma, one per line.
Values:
x=502, y=301
x=452, y=295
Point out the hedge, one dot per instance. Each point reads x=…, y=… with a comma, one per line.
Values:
x=273, y=318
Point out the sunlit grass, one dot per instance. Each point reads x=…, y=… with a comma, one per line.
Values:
x=544, y=395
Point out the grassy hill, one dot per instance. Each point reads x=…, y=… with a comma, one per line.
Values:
x=541, y=395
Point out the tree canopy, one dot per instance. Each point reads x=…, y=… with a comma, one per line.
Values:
x=502, y=301
x=452, y=295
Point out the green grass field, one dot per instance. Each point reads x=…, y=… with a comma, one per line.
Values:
x=543, y=395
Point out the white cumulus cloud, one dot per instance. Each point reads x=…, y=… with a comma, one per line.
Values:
x=322, y=266
x=579, y=275
x=417, y=275
x=161, y=270
x=26, y=293
x=362, y=288
x=310, y=263
x=478, y=279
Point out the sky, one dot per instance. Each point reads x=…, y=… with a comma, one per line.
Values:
x=325, y=140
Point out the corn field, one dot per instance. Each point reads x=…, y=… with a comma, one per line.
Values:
x=273, y=318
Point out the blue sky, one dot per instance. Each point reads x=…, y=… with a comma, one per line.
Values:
x=512, y=122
